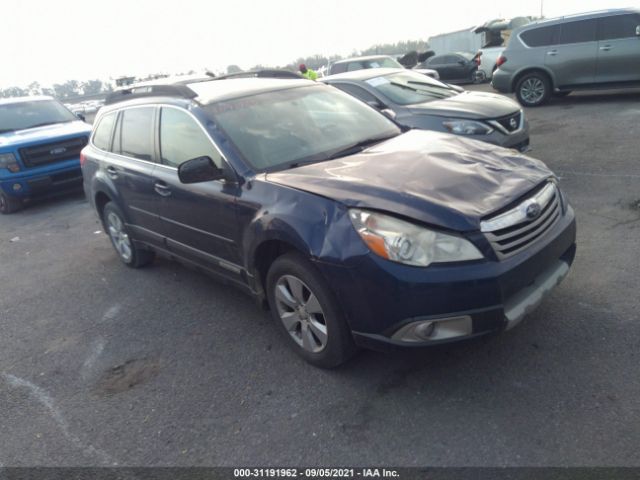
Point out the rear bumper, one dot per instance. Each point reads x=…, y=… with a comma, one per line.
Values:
x=501, y=81
x=30, y=184
x=381, y=298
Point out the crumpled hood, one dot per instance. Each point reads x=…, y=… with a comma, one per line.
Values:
x=470, y=105
x=47, y=132
x=433, y=177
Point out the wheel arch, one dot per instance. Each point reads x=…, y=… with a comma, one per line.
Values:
x=544, y=71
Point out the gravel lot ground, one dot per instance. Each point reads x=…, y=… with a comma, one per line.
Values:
x=100, y=364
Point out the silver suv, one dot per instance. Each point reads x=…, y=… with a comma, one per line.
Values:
x=585, y=51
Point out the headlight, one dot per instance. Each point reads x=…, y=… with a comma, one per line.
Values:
x=8, y=160
x=407, y=243
x=467, y=127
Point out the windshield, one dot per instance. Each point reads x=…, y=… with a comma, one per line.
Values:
x=285, y=128
x=33, y=113
x=408, y=88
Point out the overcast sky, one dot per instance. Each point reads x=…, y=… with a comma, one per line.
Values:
x=56, y=40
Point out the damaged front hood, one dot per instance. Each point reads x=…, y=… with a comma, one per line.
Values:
x=469, y=105
x=436, y=178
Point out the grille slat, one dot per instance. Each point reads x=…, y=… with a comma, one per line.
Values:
x=512, y=239
x=52, y=152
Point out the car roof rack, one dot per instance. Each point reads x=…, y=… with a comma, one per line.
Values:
x=262, y=73
x=177, y=90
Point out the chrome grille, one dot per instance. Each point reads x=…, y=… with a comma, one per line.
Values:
x=516, y=229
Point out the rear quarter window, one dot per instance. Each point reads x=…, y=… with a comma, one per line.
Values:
x=541, y=36
x=102, y=135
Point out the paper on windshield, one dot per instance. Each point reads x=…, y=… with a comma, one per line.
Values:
x=374, y=82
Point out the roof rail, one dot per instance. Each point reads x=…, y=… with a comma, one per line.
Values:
x=263, y=73
x=180, y=91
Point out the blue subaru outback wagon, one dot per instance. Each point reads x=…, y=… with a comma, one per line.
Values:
x=354, y=232
x=40, y=144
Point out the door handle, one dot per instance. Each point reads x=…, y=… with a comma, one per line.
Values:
x=553, y=53
x=605, y=48
x=112, y=172
x=162, y=189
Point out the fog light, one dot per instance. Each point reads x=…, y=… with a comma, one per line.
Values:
x=438, y=329
x=17, y=187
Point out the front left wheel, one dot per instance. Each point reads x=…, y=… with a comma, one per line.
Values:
x=306, y=310
x=9, y=204
x=131, y=254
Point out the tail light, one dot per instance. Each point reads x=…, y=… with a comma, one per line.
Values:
x=501, y=61
x=477, y=58
x=83, y=158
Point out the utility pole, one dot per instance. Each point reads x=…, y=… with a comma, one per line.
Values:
x=541, y=8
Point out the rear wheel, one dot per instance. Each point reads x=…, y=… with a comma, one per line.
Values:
x=533, y=89
x=130, y=254
x=9, y=204
x=307, y=312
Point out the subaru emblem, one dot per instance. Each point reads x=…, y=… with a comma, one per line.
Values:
x=533, y=210
x=513, y=123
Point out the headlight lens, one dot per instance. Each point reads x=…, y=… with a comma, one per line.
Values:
x=467, y=127
x=407, y=243
x=8, y=160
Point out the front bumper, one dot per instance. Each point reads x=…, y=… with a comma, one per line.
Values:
x=43, y=182
x=381, y=297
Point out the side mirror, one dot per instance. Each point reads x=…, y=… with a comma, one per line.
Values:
x=199, y=169
x=81, y=116
x=387, y=112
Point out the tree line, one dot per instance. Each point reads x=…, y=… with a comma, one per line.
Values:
x=68, y=89
x=75, y=88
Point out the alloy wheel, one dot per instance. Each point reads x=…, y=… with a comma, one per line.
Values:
x=301, y=313
x=532, y=90
x=119, y=237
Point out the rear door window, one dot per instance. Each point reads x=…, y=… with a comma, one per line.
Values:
x=578, y=32
x=102, y=135
x=136, y=133
x=618, y=26
x=540, y=37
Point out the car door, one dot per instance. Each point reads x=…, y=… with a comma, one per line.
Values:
x=573, y=59
x=459, y=67
x=131, y=167
x=199, y=220
x=618, y=49
x=442, y=64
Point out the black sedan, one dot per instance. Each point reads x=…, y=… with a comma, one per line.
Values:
x=459, y=67
x=416, y=101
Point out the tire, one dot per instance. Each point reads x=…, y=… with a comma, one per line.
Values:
x=564, y=93
x=9, y=204
x=533, y=89
x=316, y=330
x=129, y=253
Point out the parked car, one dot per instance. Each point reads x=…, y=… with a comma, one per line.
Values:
x=40, y=143
x=459, y=67
x=415, y=101
x=355, y=233
x=373, y=61
x=578, y=52
x=487, y=60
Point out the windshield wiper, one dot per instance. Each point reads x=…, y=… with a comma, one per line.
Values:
x=359, y=146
